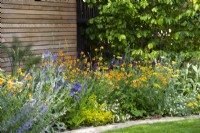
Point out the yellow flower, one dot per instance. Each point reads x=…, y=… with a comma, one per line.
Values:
x=61, y=53
x=175, y=75
x=19, y=90
x=100, y=58
x=51, y=90
x=1, y=81
x=19, y=70
x=123, y=69
x=95, y=49
x=22, y=74
x=14, y=88
x=195, y=103
x=30, y=77
x=9, y=85
x=65, y=77
x=29, y=95
x=156, y=85
x=101, y=47
x=173, y=62
x=119, y=57
x=198, y=96
x=190, y=104
x=82, y=53
x=130, y=65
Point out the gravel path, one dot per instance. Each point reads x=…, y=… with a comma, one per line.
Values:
x=129, y=123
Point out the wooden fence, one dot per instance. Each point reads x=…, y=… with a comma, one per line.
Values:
x=47, y=24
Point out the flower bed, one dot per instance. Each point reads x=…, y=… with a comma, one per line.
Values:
x=68, y=93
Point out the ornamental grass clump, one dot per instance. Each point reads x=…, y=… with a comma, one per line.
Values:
x=33, y=101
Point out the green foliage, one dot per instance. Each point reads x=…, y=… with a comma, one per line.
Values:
x=157, y=24
x=19, y=55
x=32, y=102
x=95, y=113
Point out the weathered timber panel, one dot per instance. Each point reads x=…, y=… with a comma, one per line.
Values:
x=47, y=24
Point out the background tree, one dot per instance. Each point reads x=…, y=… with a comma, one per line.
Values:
x=172, y=25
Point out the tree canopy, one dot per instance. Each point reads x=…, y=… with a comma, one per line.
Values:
x=156, y=24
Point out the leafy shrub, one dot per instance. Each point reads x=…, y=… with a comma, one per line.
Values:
x=95, y=113
x=164, y=24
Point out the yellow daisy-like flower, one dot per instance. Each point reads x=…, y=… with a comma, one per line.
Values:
x=19, y=70
x=65, y=77
x=101, y=47
x=1, y=81
x=95, y=49
x=9, y=85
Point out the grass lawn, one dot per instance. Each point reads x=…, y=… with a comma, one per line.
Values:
x=184, y=126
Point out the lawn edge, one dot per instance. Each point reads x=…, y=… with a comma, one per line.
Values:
x=113, y=126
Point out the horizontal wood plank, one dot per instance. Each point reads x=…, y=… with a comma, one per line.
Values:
x=38, y=16
x=36, y=21
x=68, y=7
x=38, y=25
x=13, y=11
x=60, y=43
x=31, y=2
x=36, y=39
x=33, y=30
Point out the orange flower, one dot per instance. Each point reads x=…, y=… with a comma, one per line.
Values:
x=61, y=53
x=30, y=77
x=65, y=77
x=82, y=53
x=29, y=95
x=9, y=85
x=22, y=74
x=19, y=90
x=14, y=88
x=1, y=81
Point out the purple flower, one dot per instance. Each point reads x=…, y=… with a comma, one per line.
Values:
x=44, y=109
x=54, y=56
x=32, y=102
x=72, y=93
x=77, y=87
x=46, y=53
